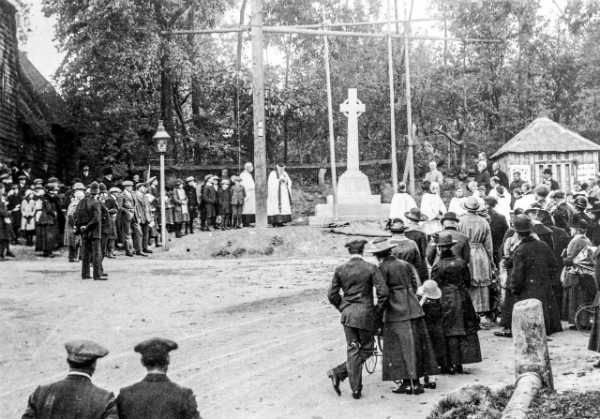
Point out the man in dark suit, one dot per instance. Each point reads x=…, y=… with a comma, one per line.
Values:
x=498, y=227
x=85, y=176
x=461, y=248
x=75, y=396
x=108, y=178
x=356, y=278
x=551, y=183
x=500, y=175
x=88, y=220
x=142, y=218
x=156, y=396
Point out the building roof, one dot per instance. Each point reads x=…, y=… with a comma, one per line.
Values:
x=546, y=136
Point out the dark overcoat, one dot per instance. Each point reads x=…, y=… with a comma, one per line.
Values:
x=157, y=397
x=417, y=235
x=533, y=269
x=483, y=178
x=224, y=199
x=89, y=210
x=462, y=248
x=401, y=281
x=498, y=227
x=406, y=250
x=75, y=397
x=209, y=202
x=453, y=276
x=356, y=278
x=6, y=231
x=190, y=192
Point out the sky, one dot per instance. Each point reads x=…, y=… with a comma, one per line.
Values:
x=43, y=53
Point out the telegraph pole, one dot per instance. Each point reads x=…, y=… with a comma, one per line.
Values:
x=258, y=106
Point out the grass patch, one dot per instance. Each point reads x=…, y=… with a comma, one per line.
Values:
x=569, y=405
x=485, y=404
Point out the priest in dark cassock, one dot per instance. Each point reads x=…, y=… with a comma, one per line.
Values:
x=279, y=201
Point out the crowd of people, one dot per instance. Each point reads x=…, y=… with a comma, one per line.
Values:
x=46, y=213
x=446, y=273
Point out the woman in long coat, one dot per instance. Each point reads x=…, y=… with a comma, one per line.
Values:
x=48, y=222
x=408, y=353
x=459, y=320
x=405, y=249
x=28, y=217
x=579, y=286
x=477, y=229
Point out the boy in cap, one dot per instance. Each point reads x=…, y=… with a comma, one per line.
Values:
x=238, y=197
x=224, y=199
x=156, y=396
x=209, y=200
x=75, y=396
x=356, y=278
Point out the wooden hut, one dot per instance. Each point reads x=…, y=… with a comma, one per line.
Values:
x=544, y=144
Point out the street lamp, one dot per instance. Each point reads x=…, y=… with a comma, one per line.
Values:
x=161, y=142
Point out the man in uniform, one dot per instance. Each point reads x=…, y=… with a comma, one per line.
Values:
x=356, y=278
x=88, y=220
x=156, y=396
x=75, y=396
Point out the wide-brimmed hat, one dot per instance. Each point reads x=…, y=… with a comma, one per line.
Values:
x=595, y=207
x=430, y=289
x=380, y=245
x=578, y=222
x=581, y=202
x=445, y=240
x=472, y=204
x=415, y=215
x=522, y=224
x=450, y=216
x=397, y=225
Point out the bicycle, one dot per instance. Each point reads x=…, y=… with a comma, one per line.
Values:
x=371, y=363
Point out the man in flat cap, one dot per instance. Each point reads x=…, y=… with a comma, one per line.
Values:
x=75, y=396
x=156, y=397
x=88, y=222
x=356, y=278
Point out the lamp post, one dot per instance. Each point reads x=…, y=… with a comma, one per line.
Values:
x=161, y=142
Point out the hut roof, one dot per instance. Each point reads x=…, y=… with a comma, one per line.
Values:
x=546, y=136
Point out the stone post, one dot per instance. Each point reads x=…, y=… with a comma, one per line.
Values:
x=529, y=335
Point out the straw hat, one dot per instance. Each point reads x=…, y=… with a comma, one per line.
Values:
x=472, y=204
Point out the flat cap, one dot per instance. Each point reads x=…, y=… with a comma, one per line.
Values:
x=127, y=183
x=178, y=182
x=114, y=189
x=139, y=185
x=155, y=348
x=53, y=180
x=38, y=181
x=113, y=211
x=84, y=351
x=189, y=179
x=207, y=177
x=22, y=177
x=78, y=187
x=4, y=176
x=356, y=245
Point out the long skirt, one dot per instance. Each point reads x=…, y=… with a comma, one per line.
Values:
x=463, y=350
x=594, y=344
x=47, y=238
x=576, y=296
x=481, y=298
x=407, y=351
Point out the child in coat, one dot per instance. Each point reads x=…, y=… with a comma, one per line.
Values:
x=238, y=196
x=430, y=299
x=224, y=199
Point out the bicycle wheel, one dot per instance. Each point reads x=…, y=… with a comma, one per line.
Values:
x=371, y=363
x=584, y=319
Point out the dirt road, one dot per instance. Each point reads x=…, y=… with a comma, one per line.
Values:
x=256, y=336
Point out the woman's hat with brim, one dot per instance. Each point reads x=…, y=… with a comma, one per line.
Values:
x=430, y=290
x=522, y=224
x=380, y=245
x=581, y=202
x=445, y=240
x=415, y=215
x=397, y=225
x=595, y=207
x=472, y=204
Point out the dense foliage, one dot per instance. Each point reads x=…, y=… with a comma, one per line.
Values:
x=123, y=71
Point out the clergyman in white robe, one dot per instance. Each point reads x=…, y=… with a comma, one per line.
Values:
x=401, y=202
x=279, y=202
x=249, y=212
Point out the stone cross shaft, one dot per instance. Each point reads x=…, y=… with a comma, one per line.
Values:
x=352, y=108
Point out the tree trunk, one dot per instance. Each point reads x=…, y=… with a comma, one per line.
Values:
x=239, y=62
